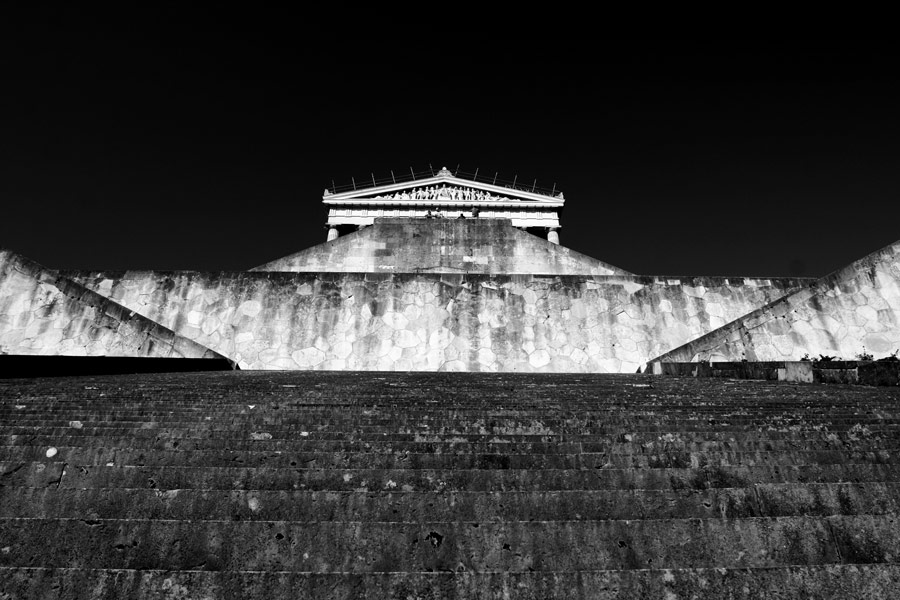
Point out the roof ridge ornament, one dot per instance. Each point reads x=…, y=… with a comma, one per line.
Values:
x=444, y=173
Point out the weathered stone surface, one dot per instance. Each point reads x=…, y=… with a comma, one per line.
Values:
x=408, y=321
x=404, y=245
x=463, y=485
x=364, y=547
x=850, y=582
x=44, y=313
x=853, y=311
x=450, y=295
x=880, y=373
x=883, y=372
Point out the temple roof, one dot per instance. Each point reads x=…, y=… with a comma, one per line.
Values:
x=445, y=187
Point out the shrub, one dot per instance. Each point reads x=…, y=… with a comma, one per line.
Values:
x=891, y=357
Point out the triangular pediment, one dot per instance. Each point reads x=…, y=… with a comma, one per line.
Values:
x=444, y=187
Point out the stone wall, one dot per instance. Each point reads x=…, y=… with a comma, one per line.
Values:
x=43, y=313
x=852, y=311
x=442, y=246
x=475, y=322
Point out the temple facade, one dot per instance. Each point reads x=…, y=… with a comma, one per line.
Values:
x=444, y=195
x=447, y=273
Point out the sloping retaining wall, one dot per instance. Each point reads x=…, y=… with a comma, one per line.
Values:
x=44, y=313
x=855, y=310
x=430, y=322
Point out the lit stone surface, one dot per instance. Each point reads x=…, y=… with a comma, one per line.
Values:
x=409, y=321
x=433, y=320
x=442, y=246
x=853, y=311
x=43, y=313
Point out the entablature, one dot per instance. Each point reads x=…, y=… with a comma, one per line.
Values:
x=366, y=216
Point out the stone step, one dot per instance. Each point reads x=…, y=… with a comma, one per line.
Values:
x=475, y=398
x=361, y=547
x=324, y=385
x=323, y=381
x=473, y=403
x=395, y=505
x=844, y=581
x=467, y=409
x=527, y=426
x=850, y=430
x=261, y=441
x=462, y=460
x=413, y=411
x=41, y=474
x=326, y=433
x=586, y=486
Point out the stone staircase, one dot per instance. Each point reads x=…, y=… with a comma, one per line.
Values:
x=431, y=485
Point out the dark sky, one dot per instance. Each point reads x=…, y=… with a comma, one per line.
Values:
x=210, y=151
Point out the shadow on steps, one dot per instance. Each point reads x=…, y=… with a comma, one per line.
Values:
x=29, y=366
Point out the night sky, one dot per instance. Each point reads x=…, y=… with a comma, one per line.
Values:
x=211, y=152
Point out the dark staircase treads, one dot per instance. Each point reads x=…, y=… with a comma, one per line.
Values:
x=467, y=485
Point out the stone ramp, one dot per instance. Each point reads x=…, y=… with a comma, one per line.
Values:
x=465, y=485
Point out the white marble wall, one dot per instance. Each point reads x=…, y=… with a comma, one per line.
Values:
x=42, y=313
x=435, y=322
x=853, y=311
x=488, y=246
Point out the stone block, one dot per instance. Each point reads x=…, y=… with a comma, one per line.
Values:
x=879, y=373
x=800, y=371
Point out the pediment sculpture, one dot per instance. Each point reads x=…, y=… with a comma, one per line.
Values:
x=444, y=192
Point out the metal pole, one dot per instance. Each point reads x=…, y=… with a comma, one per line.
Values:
x=392, y=176
x=457, y=169
x=553, y=193
x=333, y=188
x=495, y=177
x=533, y=185
x=475, y=177
x=373, y=180
x=354, y=182
x=514, y=180
x=413, y=173
x=430, y=168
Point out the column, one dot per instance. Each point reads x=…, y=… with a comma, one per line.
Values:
x=553, y=235
x=332, y=234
